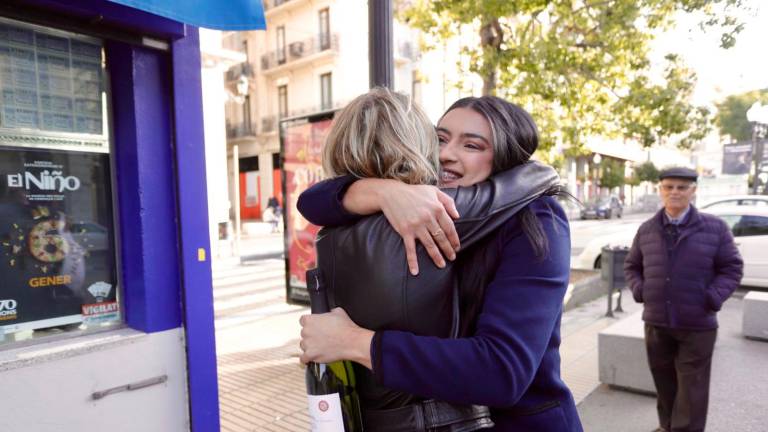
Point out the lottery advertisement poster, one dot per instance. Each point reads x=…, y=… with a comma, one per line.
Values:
x=302, y=162
x=57, y=262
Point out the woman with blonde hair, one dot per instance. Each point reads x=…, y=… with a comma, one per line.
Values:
x=428, y=346
x=382, y=134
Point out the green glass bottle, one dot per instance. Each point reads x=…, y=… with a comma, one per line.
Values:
x=333, y=402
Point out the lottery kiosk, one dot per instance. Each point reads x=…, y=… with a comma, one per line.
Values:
x=106, y=316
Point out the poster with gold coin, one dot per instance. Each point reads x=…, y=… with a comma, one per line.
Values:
x=57, y=260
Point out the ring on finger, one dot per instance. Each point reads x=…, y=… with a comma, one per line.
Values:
x=437, y=232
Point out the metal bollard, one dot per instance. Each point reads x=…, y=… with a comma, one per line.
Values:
x=612, y=271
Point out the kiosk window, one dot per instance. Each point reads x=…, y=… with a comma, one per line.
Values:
x=57, y=244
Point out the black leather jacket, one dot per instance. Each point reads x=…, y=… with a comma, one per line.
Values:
x=366, y=273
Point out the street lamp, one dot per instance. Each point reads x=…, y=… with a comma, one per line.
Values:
x=242, y=86
x=596, y=177
x=757, y=115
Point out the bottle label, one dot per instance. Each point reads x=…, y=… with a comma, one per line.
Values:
x=325, y=413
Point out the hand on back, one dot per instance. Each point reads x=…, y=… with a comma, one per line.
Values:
x=423, y=213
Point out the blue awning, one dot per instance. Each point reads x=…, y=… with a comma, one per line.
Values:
x=214, y=14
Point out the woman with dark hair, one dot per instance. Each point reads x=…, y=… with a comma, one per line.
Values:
x=511, y=283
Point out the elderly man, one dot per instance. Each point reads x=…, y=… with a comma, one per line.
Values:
x=682, y=266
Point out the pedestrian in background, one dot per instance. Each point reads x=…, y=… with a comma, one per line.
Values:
x=682, y=266
x=273, y=214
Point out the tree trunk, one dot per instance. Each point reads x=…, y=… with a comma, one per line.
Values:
x=491, y=37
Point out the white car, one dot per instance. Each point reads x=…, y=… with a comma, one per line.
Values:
x=749, y=225
x=589, y=258
x=735, y=200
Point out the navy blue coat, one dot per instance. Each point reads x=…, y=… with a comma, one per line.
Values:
x=685, y=287
x=512, y=362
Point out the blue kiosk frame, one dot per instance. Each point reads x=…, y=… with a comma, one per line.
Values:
x=159, y=160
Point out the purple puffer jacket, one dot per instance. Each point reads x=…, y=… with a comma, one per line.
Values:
x=684, y=289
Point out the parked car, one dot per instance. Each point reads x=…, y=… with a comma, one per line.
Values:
x=749, y=225
x=602, y=208
x=737, y=200
x=649, y=203
x=589, y=258
x=571, y=206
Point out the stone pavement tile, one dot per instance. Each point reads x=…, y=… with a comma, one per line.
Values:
x=228, y=426
x=262, y=382
x=261, y=410
x=237, y=420
x=300, y=424
x=578, y=350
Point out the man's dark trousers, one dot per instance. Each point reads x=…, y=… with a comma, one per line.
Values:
x=680, y=362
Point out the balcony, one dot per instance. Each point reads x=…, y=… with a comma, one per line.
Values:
x=268, y=124
x=299, y=52
x=275, y=6
x=240, y=130
x=238, y=70
x=271, y=4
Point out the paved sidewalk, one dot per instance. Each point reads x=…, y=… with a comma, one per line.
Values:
x=738, y=388
x=261, y=382
x=578, y=349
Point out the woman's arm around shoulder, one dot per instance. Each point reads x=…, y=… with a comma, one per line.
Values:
x=321, y=203
x=416, y=212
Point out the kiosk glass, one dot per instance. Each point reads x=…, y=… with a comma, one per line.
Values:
x=57, y=246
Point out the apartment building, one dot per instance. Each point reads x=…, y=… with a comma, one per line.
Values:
x=313, y=57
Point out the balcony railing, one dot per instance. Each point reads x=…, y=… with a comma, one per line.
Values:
x=300, y=49
x=240, y=130
x=269, y=4
x=234, y=73
x=268, y=124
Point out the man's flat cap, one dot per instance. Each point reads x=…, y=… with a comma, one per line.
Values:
x=678, y=172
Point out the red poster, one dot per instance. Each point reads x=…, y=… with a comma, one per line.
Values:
x=302, y=144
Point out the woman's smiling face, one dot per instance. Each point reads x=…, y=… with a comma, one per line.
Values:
x=466, y=148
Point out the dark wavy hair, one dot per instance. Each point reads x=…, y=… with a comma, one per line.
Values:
x=515, y=138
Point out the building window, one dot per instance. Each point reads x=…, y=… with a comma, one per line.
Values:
x=245, y=50
x=281, y=45
x=247, y=114
x=325, y=28
x=326, y=95
x=282, y=101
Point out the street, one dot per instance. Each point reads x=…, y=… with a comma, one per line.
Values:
x=582, y=231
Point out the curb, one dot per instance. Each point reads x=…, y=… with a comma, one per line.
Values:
x=584, y=291
x=262, y=256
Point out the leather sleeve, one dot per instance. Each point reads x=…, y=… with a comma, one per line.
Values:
x=486, y=206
